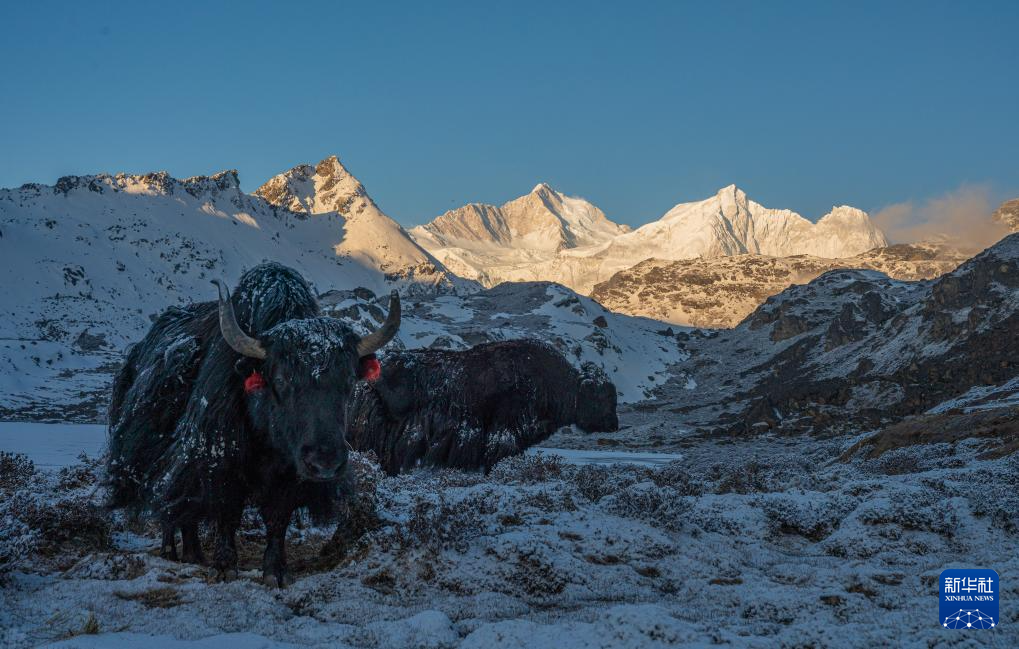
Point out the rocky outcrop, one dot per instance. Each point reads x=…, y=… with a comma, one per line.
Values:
x=722, y=291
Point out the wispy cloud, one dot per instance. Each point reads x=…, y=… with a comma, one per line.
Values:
x=962, y=217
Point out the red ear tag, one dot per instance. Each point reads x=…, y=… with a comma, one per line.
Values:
x=370, y=369
x=254, y=382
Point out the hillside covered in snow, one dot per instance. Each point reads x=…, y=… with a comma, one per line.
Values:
x=91, y=260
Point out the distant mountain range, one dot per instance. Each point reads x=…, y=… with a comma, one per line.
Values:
x=548, y=236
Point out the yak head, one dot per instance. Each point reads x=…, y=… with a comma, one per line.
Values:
x=299, y=377
x=596, y=401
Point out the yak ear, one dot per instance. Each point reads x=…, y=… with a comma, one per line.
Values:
x=245, y=366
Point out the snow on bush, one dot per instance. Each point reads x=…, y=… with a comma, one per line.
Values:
x=659, y=506
x=49, y=515
x=811, y=515
x=15, y=470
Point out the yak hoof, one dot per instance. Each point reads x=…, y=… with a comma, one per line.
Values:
x=276, y=580
x=226, y=575
x=195, y=557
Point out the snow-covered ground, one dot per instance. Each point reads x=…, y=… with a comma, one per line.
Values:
x=744, y=543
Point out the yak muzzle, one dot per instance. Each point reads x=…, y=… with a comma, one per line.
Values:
x=322, y=462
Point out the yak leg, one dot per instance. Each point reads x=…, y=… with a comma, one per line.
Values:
x=224, y=556
x=276, y=514
x=169, y=546
x=191, y=545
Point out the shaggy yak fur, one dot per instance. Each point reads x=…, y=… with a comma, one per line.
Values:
x=189, y=444
x=469, y=409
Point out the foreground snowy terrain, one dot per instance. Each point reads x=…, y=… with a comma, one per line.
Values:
x=761, y=543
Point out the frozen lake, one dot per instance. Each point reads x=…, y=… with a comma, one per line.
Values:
x=52, y=446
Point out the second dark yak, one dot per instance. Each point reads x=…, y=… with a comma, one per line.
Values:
x=235, y=402
x=469, y=409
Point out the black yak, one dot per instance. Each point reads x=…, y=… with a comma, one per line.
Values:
x=238, y=401
x=469, y=409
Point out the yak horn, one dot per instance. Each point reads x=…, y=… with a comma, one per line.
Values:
x=376, y=339
x=234, y=336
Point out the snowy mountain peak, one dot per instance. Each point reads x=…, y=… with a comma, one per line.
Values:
x=326, y=187
x=369, y=236
x=733, y=193
x=846, y=214
x=542, y=221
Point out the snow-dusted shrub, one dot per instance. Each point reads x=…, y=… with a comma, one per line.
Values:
x=998, y=496
x=595, y=481
x=45, y=514
x=919, y=510
x=895, y=462
x=15, y=470
x=526, y=469
x=537, y=575
x=674, y=475
x=359, y=511
x=659, y=506
x=108, y=566
x=85, y=473
x=550, y=500
x=742, y=478
x=17, y=541
x=442, y=523
x=812, y=516
x=73, y=521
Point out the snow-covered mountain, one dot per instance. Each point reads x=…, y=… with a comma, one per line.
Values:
x=89, y=261
x=1008, y=214
x=495, y=244
x=471, y=243
x=721, y=291
x=369, y=237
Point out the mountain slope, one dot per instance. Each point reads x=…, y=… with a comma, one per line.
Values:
x=721, y=291
x=92, y=259
x=472, y=241
x=856, y=350
x=369, y=237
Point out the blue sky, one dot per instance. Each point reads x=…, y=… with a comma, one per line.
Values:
x=635, y=106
